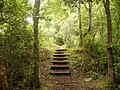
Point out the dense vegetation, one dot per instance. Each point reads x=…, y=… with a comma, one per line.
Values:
x=89, y=28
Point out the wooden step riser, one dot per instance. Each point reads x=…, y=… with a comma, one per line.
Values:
x=60, y=55
x=61, y=50
x=60, y=63
x=60, y=58
x=59, y=68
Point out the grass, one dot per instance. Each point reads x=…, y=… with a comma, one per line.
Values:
x=103, y=83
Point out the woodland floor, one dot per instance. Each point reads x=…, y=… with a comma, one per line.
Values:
x=76, y=81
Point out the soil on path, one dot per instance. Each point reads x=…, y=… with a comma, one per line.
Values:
x=66, y=82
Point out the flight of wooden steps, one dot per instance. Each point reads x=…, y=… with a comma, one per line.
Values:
x=60, y=63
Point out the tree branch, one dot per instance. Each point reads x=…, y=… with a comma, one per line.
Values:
x=104, y=3
x=84, y=5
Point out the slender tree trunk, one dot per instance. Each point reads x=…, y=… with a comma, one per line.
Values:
x=89, y=16
x=1, y=10
x=1, y=6
x=36, y=44
x=111, y=71
x=3, y=75
x=80, y=24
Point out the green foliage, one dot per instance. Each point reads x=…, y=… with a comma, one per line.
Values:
x=116, y=41
x=72, y=3
x=51, y=21
x=16, y=40
x=59, y=41
x=69, y=31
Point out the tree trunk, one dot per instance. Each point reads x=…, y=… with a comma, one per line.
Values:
x=3, y=75
x=90, y=14
x=36, y=44
x=1, y=10
x=90, y=17
x=80, y=24
x=111, y=71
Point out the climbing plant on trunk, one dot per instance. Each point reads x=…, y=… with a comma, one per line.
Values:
x=111, y=72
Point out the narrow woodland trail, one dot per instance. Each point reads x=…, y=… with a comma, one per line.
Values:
x=64, y=77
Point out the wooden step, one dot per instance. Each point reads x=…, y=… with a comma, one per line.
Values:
x=60, y=55
x=61, y=50
x=60, y=63
x=60, y=73
x=60, y=58
x=60, y=67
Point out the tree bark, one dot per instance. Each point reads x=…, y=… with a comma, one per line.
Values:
x=111, y=71
x=90, y=17
x=36, y=44
x=1, y=10
x=3, y=75
x=80, y=24
x=90, y=14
